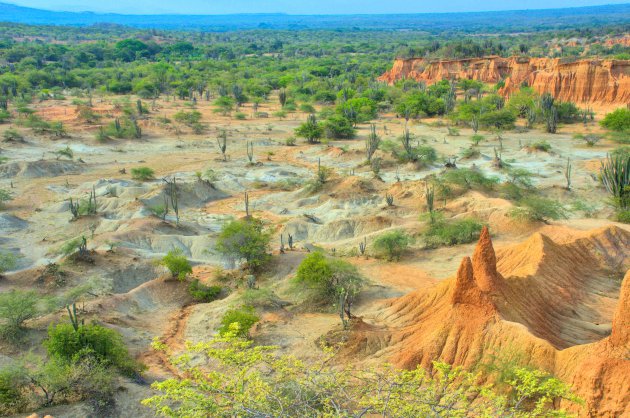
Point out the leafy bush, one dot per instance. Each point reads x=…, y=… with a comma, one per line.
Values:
x=65, y=342
x=329, y=277
x=447, y=233
x=203, y=293
x=468, y=178
x=16, y=307
x=393, y=244
x=188, y=118
x=500, y=119
x=535, y=208
x=245, y=317
x=619, y=120
x=142, y=173
x=177, y=263
x=624, y=216
x=13, y=381
x=244, y=239
x=12, y=135
x=8, y=261
x=269, y=381
x=543, y=146
x=339, y=127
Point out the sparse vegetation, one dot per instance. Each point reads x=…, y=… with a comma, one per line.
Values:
x=392, y=244
x=177, y=263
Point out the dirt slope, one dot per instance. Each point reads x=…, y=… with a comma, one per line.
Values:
x=558, y=305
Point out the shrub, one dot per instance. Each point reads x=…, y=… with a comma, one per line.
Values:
x=142, y=173
x=311, y=130
x=244, y=239
x=65, y=342
x=339, y=127
x=619, y=120
x=500, y=119
x=543, y=146
x=13, y=382
x=203, y=293
x=476, y=139
x=334, y=280
x=536, y=208
x=268, y=382
x=240, y=116
x=188, y=118
x=8, y=261
x=447, y=233
x=16, y=307
x=177, y=263
x=5, y=196
x=245, y=317
x=624, y=216
x=393, y=244
x=468, y=178
x=12, y=135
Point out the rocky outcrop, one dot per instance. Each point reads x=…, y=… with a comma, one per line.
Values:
x=583, y=81
x=550, y=300
x=620, y=335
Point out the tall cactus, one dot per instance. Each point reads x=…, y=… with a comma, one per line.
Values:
x=371, y=143
x=615, y=174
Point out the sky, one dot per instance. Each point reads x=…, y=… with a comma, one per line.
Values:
x=300, y=6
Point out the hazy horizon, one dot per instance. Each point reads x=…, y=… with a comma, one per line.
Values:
x=324, y=7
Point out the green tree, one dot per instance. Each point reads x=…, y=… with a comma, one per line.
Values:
x=244, y=240
x=311, y=130
x=619, y=120
x=16, y=307
x=393, y=244
x=336, y=281
x=177, y=263
x=239, y=378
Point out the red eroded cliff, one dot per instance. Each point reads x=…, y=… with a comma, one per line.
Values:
x=583, y=81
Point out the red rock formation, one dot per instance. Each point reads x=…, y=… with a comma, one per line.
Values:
x=547, y=301
x=620, y=335
x=583, y=81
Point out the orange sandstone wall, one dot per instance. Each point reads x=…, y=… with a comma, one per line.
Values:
x=584, y=81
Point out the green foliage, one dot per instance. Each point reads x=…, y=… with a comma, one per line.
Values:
x=16, y=307
x=244, y=240
x=244, y=317
x=188, y=118
x=468, y=178
x=177, y=263
x=452, y=232
x=5, y=196
x=13, y=382
x=8, y=261
x=203, y=293
x=392, y=244
x=339, y=127
x=535, y=208
x=619, y=120
x=358, y=109
x=499, y=119
x=12, y=135
x=311, y=130
x=252, y=380
x=543, y=146
x=107, y=345
x=615, y=174
x=330, y=277
x=142, y=173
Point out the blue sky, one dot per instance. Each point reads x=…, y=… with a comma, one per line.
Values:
x=301, y=7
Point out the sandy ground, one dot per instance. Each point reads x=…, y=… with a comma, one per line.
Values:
x=128, y=292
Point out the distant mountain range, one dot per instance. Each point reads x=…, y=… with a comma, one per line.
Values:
x=504, y=21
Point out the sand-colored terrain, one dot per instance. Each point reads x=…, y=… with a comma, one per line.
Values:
x=553, y=291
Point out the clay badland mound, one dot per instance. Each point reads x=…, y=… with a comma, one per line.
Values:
x=552, y=303
x=583, y=81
